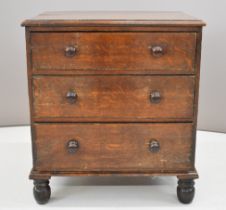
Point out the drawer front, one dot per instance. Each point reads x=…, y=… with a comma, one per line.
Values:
x=113, y=97
x=160, y=52
x=113, y=147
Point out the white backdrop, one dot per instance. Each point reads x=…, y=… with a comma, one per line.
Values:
x=13, y=82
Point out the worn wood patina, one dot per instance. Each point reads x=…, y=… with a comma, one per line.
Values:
x=113, y=93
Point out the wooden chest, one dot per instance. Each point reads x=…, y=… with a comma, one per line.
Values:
x=113, y=93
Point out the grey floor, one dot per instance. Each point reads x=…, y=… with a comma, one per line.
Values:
x=110, y=192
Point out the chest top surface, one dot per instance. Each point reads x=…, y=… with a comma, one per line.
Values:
x=71, y=18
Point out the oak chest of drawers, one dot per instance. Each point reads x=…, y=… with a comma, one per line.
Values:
x=113, y=93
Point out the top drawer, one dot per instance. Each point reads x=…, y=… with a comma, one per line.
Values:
x=157, y=53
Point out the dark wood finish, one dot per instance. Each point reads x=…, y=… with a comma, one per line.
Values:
x=158, y=50
x=41, y=191
x=155, y=97
x=70, y=51
x=72, y=146
x=191, y=174
x=114, y=51
x=117, y=28
x=113, y=93
x=109, y=120
x=101, y=18
x=115, y=97
x=185, y=190
x=197, y=78
x=71, y=96
x=154, y=145
x=112, y=147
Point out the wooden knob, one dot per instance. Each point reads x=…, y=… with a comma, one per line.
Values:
x=70, y=51
x=154, y=146
x=155, y=97
x=71, y=96
x=157, y=51
x=72, y=146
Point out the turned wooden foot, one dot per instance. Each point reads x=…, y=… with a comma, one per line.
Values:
x=185, y=190
x=41, y=191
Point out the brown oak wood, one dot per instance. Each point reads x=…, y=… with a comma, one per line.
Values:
x=112, y=28
x=191, y=174
x=197, y=79
x=115, y=97
x=114, y=51
x=113, y=94
x=112, y=147
x=99, y=18
x=108, y=119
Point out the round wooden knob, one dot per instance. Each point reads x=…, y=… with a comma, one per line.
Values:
x=72, y=146
x=157, y=51
x=155, y=97
x=70, y=51
x=71, y=96
x=154, y=146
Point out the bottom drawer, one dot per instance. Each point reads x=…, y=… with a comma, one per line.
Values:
x=113, y=147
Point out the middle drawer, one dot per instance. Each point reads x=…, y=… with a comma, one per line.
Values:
x=113, y=98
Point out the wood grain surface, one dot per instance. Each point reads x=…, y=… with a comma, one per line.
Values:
x=114, y=51
x=123, y=18
x=113, y=147
x=113, y=97
x=113, y=73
